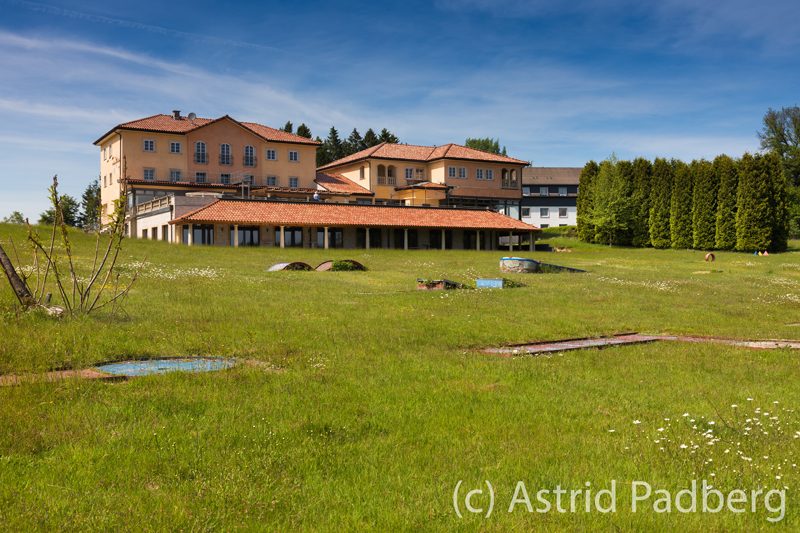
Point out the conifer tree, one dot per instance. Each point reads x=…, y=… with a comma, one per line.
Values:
x=288, y=127
x=612, y=210
x=387, y=136
x=778, y=203
x=640, y=197
x=584, y=201
x=354, y=143
x=660, y=197
x=753, y=205
x=704, y=205
x=680, y=210
x=304, y=131
x=727, y=179
x=370, y=139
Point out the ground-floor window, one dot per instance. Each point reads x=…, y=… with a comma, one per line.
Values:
x=375, y=238
x=294, y=237
x=165, y=232
x=471, y=239
x=436, y=239
x=201, y=234
x=144, y=233
x=399, y=238
x=248, y=236
x=335, y=237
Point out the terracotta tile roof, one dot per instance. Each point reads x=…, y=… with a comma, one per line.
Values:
x=339, y=184
x=410, y=152
x=424, y=185
x=190, y=184
x=169, y=124
x=551, y=175
x=349, y=215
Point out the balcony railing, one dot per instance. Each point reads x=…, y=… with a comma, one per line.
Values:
x=249, y=161
x=200, y=157
x=225, y=159
x=153, y=205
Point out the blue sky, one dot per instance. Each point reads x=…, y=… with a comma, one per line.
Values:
x=558, y=82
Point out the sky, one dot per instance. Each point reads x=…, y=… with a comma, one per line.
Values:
x=559, y=83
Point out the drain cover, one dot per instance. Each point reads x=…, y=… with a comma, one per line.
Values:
x=162, y=366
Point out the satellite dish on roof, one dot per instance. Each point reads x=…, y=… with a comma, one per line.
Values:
x=191, y=116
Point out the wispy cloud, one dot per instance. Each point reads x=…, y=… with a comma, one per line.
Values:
x=57, y=11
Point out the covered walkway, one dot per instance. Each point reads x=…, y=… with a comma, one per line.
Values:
x=329, y=225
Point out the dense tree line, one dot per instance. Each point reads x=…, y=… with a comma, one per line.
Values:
x=724, y=204
x=333, y=147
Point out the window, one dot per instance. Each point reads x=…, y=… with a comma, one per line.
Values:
x=526, y=212
x=479, y=173
x=165, y=233
x=200, y=155
x=149, y=145
x=248, y=236
x=149, y=173
x=249, y=156
x=294, y=156
x=200, y=177
x=562, y=191
x=543, y=191
x=272, y=155
x=174, y=175
x=462, y=172
x=562, y=212
x=544, y=212
x=248, y=179
x=420, y=174
x=381, y=175
x=489, y=174
x=514, y=183
x=174, y=147
x=144, y=233
x=409, y=173
x=201, y=234
x=225, y=154
x=293, y=182
x=451, y=172
x=335, y=237
x=361, y=173
x=543, y=226
x=225, y=178
x=272, y=181
x=391, y=175
x=294, y=237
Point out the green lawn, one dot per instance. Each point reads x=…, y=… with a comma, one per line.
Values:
x=373, y=401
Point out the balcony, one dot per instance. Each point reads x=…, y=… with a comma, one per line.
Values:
x=200, y=157
x=249, y=161
x=225, y=159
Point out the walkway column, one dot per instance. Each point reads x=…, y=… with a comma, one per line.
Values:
x=325, y=238
x=510, y=241
x=478, y=240
x=444, y=240
x=405, y=239
x=283, y=237
x=236, y=235
x=533, y=240
x=367, y=237
x=191, y=234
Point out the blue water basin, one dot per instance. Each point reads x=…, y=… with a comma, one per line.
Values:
x=162, y=366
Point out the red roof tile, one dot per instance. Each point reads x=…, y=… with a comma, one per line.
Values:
x=350, y=215
x=169, y=124
x=410, y=152
x=340, y=184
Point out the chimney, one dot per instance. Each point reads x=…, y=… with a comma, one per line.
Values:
x=176, y=114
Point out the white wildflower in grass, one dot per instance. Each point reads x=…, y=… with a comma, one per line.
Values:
x=660, y=429
x=612, y=430
x=637, y=422
x=684, y=446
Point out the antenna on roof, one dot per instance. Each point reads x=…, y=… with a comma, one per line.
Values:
x=191, y=116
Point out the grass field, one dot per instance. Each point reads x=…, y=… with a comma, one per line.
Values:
x=373, y=401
